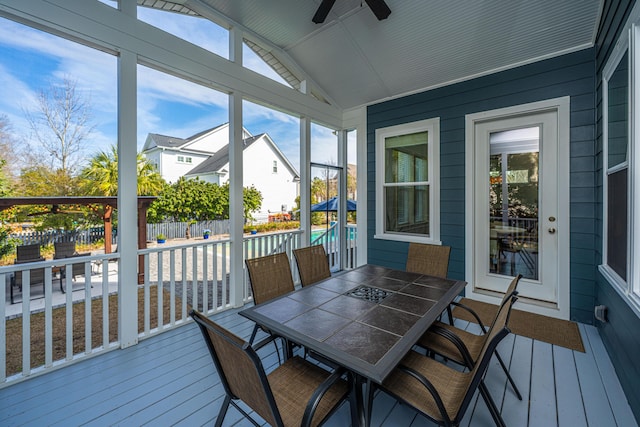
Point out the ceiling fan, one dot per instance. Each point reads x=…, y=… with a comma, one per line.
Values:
x=378, y=7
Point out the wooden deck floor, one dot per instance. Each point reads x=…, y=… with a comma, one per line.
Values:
x=169, y=379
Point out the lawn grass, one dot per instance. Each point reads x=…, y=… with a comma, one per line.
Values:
x=14, y=328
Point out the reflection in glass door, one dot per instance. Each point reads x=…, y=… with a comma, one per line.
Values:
x=325, y=205
x=513, y=202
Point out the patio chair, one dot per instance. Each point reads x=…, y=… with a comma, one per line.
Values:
x=428, y=259
x=442, y=393
x=270, y=277
x=296, y=393
x=64, y=250
x=26, y=254
x=463, y=347
x=312, y=264
x=432, y=260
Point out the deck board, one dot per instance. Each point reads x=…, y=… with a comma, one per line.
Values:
x=570, y=405
x=169, y=379
x=617, y=399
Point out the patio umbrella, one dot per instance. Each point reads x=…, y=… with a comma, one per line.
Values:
x=332, y=205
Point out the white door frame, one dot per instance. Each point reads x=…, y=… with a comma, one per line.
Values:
x=561, y=105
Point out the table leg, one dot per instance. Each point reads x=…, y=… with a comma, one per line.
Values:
x=364, y=400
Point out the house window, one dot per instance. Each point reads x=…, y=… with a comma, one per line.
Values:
x=407, y=182
x=621, y=106
x=180, y=159
x=188, y=159
x=275, y=166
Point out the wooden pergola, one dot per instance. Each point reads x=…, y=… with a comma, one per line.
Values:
x=108, y=203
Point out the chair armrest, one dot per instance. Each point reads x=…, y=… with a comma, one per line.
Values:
x=455, y=340
x=473, y=313
x=264, y=341
x=318, y=394
x=26, y=261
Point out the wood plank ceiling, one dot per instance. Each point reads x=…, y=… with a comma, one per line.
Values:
x=356, y=60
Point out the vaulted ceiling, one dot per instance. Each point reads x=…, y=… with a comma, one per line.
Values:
x=356, y=60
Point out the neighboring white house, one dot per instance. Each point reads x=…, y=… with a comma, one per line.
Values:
x=205, y=155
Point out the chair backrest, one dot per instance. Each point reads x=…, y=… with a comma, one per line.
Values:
x=64, y=249
x=36, y=276
x=428, y=259
x=499, y=330
x=510, y=292
x=28, y=253
x=240, y=369
x=270, y=277
x=312, y=263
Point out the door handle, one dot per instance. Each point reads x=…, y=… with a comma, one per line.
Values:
x=552, y=230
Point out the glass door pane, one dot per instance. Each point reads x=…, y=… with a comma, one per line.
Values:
x=325, y=204
x=513, y=203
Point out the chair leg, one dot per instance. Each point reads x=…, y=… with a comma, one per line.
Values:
x=253, y=334
x=223, y=410
x=450, y=315
x=493, y=409
x=506, y=371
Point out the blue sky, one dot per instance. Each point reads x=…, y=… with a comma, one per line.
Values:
x=30, y=60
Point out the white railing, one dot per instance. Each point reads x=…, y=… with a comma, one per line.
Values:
x=38, y=333
x=84, y=322
x=330, y=238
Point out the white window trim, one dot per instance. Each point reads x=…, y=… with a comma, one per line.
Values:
x=432, y=126
x=630, y=39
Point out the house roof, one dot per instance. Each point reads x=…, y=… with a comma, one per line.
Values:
x=352, y=59
x=215, y=163
x=157, y=140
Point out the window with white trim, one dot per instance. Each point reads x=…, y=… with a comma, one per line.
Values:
x=621, y=131
x=407, y=182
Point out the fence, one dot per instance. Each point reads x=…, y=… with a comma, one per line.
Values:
x=49, y=237
x=171, y=230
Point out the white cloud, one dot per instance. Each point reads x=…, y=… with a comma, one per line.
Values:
x=165, y=87
x=198, y=31
x=96, y=75
x=16, y=94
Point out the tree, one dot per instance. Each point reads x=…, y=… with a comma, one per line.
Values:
x=43, y=181
x=62, y=124
x=187, y=200
x=252, y=201
x=100, y=177
x=194, y=199
x=8, y=156
x=7, y=244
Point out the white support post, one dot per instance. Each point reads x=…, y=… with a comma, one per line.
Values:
x=127, y=200
x=342, y=196
x=360, y=121
x=235, y=45
x=305, y=179
x=236, y=211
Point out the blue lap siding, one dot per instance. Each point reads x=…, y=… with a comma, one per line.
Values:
x=620, y=334
x=570, y=75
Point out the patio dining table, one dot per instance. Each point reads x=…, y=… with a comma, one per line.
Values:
x=365, y=320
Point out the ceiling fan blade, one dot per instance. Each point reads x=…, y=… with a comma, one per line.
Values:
x=323, y=11
x=379, y=8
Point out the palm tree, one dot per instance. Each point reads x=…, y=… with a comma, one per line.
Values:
x=100, y=178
